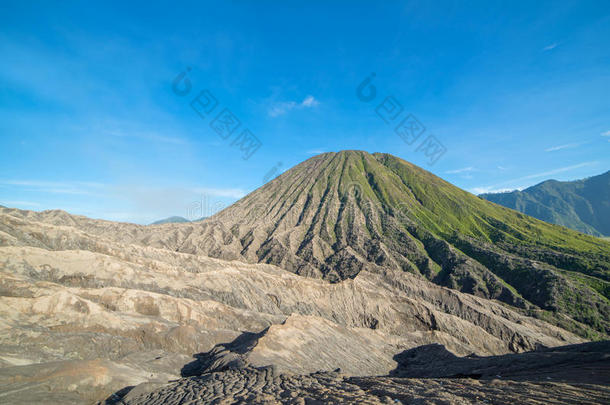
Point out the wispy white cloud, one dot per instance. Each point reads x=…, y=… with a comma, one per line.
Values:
x=147, y=136
x=55, y=187
x=550, y=47
x=607, y=133
x=144, y=203
x=222, y=192
x=39, y=183
x=283, y=107
x=501, y=187
x=310, y=101
x=149, y=203
x=315, y=151
x=9, y=203
x=462, y=170
x=491, y=190
x=554, y=171
x=560, y=147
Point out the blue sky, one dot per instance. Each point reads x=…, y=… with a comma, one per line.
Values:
x=515, y=92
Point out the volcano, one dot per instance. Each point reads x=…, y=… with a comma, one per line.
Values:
x=338, y=213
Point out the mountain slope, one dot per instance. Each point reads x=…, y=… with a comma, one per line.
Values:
x=84, y=313
x=583, y=205
x=337, y=214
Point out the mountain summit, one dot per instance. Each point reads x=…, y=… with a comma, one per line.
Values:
x=338, y=213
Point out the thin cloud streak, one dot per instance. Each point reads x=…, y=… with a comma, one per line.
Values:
x=19, y=203
x=222, y=192
x=54, y=187
x=555, y=171
x=560, y=147
x=498, y=187
x=315, y=151
x=491, y=190
x=462, y=170
x=147, y=136
x=550, y=47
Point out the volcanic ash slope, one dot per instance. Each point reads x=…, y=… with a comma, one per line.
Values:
x=83, y=314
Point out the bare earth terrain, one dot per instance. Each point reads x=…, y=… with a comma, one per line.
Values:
x=84, y=316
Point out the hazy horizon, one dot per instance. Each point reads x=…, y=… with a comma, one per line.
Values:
x=207, y=204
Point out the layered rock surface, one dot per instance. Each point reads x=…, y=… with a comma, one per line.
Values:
x=567, y=375
x=83, y=315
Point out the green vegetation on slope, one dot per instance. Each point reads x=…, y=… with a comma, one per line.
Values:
x=583, y=205
x=338, y=214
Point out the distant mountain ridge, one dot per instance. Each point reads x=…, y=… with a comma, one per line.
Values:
x=583, y=205
x=171, y=220
x=176, y=220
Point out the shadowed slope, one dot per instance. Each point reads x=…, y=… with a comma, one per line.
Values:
x=565, y=375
